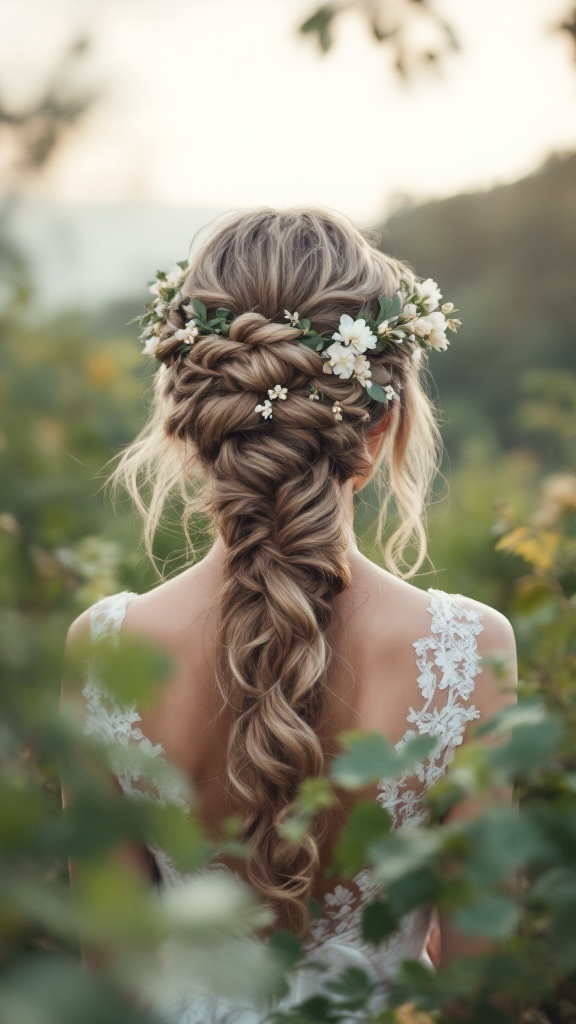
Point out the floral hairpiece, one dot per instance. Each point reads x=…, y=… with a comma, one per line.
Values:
x=412, y=318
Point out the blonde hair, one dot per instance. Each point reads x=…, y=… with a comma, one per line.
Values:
x=273, y=489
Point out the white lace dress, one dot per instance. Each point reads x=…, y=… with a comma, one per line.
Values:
x=447, y=661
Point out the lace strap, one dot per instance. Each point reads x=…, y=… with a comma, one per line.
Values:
x=117, y=725
x=107, y=616
x=448, y=663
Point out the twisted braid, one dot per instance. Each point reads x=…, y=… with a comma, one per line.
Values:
x=273, y=489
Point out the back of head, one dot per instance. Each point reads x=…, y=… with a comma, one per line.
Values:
x=273, y=485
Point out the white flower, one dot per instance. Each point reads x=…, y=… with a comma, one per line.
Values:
x=383, y=327
x=174, y=277
x=278, y=392
x=265, y=409
x=314, y=394
x=454, y=324
x=341, y=360
x=362, y=370
x=150, y=346
x=187, y=333
x=355, y=333
x=160, y=308
x=448, y=307
x=428, y=294
x=422, y=327
x=292, y=317
x=390, y=393
x=410, y=310
x=337, y=410
x=437, y=338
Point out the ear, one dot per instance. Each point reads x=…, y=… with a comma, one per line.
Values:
x=374, y=439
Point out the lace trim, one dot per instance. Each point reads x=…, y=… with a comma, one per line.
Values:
x=448, y=659
x=117, y=725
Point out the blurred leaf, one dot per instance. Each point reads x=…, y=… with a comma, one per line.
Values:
x=366, y=823
x=369, y=758
x=378, y=922
x=537, y=547
x=491, y=916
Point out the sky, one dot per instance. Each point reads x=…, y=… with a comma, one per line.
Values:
x=220, y=104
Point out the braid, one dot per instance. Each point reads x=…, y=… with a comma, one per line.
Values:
x=273, y=489
x=286, y=562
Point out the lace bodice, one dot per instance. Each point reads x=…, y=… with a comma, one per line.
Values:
x=447, y=661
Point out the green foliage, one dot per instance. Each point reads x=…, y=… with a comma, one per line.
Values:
x=71, y=397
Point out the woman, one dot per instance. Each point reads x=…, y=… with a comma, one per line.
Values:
x=291, y=356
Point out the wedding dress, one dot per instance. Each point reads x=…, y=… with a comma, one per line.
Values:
x=447, y=662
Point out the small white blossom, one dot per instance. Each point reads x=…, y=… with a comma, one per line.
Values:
x=277, y=392
x=314, y=394
x=437, y=337
x=390, y=393
x=422, y=327
x=292, y=317
x=448, y=307
x=355, y=333
x=265, y=409
x=409, y=310
x=384, y=327
x=174, y=277
x=187, y=333
x=428, y=294
x=337, y=410
x=362, y=370
x=150, y=346
x=341, y=359
x=454, y=324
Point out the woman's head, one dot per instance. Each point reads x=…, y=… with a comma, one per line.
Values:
x=274, y=486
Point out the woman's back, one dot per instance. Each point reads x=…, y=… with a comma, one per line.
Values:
x=285, y=636
x=404, y=661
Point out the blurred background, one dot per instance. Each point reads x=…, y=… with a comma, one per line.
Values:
x=126, y=127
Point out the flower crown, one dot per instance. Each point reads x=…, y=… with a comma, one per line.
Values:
x=413, y=318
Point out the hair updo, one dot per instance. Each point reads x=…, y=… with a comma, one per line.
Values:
x=273, y=489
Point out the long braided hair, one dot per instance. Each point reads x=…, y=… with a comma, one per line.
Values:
x=273, y=490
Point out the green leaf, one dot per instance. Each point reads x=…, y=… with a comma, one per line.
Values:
x=492, y=916
x=367, y=823
x=305, y=325
x=403, y=854
x=376, y=391
x=395, y=306
x=222, y=313
x=183, y=264
x=199, y=310
x=351, y=983
x=130, y=670
x=311, y=342
x=287, y=947
x=320, y=23
x=381, y=344
x=413, y=751
x=369, y=758
x=378, y=921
